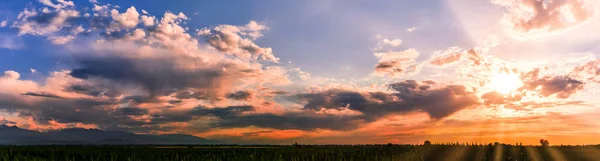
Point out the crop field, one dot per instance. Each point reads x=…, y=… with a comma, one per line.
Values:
x=297, y=153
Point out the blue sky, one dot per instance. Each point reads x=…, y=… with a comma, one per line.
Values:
x=318, y=71
x=347, y=29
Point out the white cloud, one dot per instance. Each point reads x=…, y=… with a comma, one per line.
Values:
x=3, y=23
x=62, y=3
x=100, y=10
x=384, y=42
x=11, y=74
x=129, y=19
x=59, y=40
x=412, y=29
x=148, y=20
x=32, y=70
x=237, y=40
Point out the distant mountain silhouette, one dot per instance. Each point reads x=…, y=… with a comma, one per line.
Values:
x=16, y=135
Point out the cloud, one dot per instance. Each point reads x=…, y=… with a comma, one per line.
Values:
x=4, y=122
x=588, y=71
x=240, y=95
x=11, y=74
x=132, y=77
x=412, y=29
x=135, y=111
x=492, y=98
x=148, y=20
x=397, y=63
x=34, y=22
x=61, y=39
x=42, y=94
x=129, y=19
x=560, y=86
x=526, y=17
x=454, y=55
x=11, y=42
x=237, y=40
x=408, y=96
x=61, y=3
x=3, y=23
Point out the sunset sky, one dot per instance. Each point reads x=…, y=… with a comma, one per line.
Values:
x=310, y=71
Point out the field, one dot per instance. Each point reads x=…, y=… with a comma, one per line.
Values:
x=293, y=153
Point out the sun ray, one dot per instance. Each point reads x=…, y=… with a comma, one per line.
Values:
x=505, y=83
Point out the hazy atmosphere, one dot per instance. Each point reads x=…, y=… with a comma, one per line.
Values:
x=311, y=71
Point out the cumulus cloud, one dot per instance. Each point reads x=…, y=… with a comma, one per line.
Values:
x=237, y=40
x=10, y=74
x=3, y=23
x=148, y=20
x=129, y=19
x=59, y=5
x=530, y=16
x=128, y=74
x=34, y=22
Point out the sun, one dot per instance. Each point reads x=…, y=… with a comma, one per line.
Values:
x=505, y=83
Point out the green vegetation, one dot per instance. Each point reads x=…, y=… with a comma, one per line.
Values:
x=390, y=152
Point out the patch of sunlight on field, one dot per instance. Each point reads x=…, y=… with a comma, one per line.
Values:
x=533, y=153
x=499, y=153
x=555, y=153
x=458, y=153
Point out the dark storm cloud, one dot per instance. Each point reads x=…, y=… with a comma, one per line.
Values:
x=236, y=116
x=409, y=96
x=157, y=76
x=135, y=111
x=93, y=88
x=67, y=110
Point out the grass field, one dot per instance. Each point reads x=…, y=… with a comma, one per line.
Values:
x=293, y=153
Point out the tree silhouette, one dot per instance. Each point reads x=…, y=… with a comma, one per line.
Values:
x=427, y=143
x=544, y=142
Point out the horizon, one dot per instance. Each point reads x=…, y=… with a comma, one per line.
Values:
x=315, y=72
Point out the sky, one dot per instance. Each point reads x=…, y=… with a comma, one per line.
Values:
x=314, y=71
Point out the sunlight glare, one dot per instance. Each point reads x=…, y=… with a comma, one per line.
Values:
x=505, y=83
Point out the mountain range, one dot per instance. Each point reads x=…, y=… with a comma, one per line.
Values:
x=14, y=135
